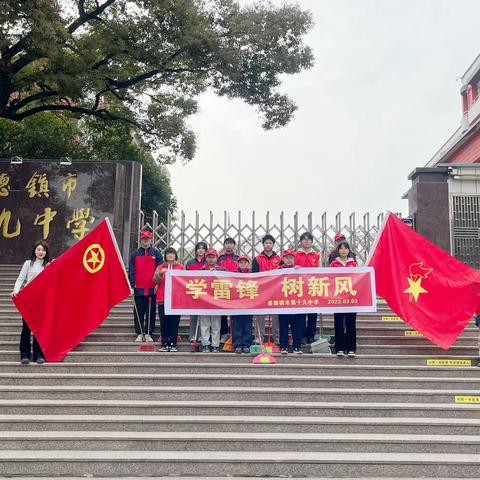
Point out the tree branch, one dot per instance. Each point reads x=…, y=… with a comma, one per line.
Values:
x=86, y=17
x=18, y=104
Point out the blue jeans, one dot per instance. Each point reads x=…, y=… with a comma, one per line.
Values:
x=242, y=331
x=296, y=323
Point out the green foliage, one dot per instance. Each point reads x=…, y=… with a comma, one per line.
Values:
x=144, y=62
x=51, y=135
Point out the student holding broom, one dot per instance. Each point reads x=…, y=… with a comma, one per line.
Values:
x=168, y=323
x=143, y=263
x=242, y=324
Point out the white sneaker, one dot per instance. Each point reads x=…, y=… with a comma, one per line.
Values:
x=340, y=353
x=148, y=338
x=139, y=339
x=351, y=354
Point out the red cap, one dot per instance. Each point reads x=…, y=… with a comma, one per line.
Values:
x=211, y=251
x=339, y=236
x=244, y=257
x=288, y=252
x=146, y=234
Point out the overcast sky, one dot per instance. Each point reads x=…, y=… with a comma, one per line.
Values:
x=381, y=99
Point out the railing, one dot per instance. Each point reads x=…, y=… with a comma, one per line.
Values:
x=248, y=231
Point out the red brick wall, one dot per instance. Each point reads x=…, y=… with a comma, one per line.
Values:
x=469, y=152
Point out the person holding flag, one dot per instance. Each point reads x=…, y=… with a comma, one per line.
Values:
x=30, y=269
x=143, y=263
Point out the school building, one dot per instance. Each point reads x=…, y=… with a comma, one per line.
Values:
x=444, y=198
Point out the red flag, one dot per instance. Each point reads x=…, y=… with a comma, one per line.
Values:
x=429, y=289
x=75, y=293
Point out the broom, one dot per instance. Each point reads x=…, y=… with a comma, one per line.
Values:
x=195, y=344
x=262, y=357
x=270, y=345
x=228, y=345
x=144, y=346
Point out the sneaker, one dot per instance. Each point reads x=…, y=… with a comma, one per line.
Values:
x=40, y=360
x=351, y=354
x=215, y=350
x=340, y=353
x=148, y=338
x=284, y=351
x=25, y=361
x=297, y=351
x=173, y=348
x=139, y=339
x=246, y=350
x=206, y=349
x=162, y=348
x=238, y=350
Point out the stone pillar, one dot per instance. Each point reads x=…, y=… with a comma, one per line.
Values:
x=428, y=204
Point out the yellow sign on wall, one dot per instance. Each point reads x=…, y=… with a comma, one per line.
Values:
x=467, y=398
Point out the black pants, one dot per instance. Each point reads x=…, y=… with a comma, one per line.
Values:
x=310, y=326
x=168, y=326
x=224, y=326
x=242, y=331
x=345, y=332
x=295, y=322
x=145, y=306
x=25, y=347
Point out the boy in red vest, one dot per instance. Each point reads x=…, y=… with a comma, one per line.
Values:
x=264, y=262
x=307, y=257
x=141, y=269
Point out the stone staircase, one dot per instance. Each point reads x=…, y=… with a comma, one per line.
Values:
x=111, y=411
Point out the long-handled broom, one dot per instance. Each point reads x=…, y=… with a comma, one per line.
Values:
x=195, y=344
x=144, y=346
x=262, y=357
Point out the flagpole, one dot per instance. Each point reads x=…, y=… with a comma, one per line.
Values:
x=377, y=238
x=114, y=240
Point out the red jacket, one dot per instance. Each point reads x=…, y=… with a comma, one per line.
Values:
x=350, y=263
x=229, y=261
x=263, y=263
x=195, y=264
x=161, y=286
x=310, y=259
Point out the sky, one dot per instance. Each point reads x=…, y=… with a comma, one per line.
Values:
x=383, y=96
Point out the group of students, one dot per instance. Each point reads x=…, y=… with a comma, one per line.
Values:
x=146, y=273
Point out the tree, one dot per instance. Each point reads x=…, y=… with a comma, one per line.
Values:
x=50, y=135
x=144, y=62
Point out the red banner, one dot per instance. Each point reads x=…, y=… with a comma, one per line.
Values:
x=292, y=290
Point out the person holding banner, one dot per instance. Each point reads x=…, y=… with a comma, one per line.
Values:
x=242, y=324
x=345, y=327
x=264, y=262
x=294, y=321
x=307, y=257
x=210, y=324
x=30, y=269
x=168, y=323
x=196, y=263
x=143, y=263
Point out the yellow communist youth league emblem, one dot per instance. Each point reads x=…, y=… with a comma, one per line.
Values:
x=94, y=258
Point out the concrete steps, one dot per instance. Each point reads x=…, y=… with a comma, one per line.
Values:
x=402, y=408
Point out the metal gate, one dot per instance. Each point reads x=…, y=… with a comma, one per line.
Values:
x=182, y=233
x=465, y=229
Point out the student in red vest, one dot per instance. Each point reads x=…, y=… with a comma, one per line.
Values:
x=339, y=237
x=210, y=324
x=196, y=263
x=168, y=323
x=30, y=269
x=307, y=257
x=264, y=262
x=293, y=320
x=242, y=324
x=228, y=260
x=345, y=328
x=141, y=269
